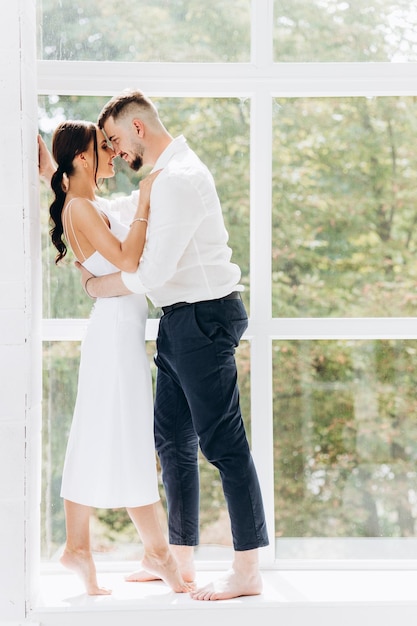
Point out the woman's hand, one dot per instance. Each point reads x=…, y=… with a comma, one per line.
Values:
x=46, y=164
x=146, y=183
x=145, y=187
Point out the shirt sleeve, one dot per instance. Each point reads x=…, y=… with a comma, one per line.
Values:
x=177, y=210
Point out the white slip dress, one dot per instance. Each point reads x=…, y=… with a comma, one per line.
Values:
x=110, y=460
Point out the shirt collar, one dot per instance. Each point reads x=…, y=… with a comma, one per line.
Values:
x=176, y=145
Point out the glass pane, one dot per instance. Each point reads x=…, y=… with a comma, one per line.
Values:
x=157, y=30
x=216, y=128
x=113, y=534
x=59, y=380
x=334, y=31
x=344, y=207
x=345, y=443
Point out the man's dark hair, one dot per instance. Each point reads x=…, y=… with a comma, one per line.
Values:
x=114, y=107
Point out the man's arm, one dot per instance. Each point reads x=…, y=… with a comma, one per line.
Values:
x=102, y=286
x=177, y=211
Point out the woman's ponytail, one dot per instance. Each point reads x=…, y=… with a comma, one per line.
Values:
x=55, y=213
x=70, y=139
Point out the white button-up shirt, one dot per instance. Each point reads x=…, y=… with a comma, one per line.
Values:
x=186, y=257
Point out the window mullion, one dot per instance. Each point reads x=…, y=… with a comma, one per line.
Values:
x=260, y=304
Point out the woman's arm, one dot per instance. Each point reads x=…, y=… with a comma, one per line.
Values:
x=46, y=163
x=92, y=231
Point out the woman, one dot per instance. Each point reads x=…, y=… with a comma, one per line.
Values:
x=110, y=459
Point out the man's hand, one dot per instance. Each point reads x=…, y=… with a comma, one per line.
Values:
x=85, y=275
x=46, y=163
x=107, y=286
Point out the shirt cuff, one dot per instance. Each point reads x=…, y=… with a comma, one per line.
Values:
x=132, y=281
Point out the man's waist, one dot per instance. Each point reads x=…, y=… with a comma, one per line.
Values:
x=234, y=295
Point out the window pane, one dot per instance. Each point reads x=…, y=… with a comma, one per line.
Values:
x=344, y=207
x=345, y=442
x=217, y=129
x=113, y=535
x=334, y=31
x=59, y=379
x=157, y=30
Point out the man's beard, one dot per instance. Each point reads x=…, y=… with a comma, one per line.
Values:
x=137, y=163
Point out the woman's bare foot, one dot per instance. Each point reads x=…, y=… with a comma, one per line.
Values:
x=162, y=567
x=81, y=563
x=184, y=555
x=141, y=576
x=232, y=585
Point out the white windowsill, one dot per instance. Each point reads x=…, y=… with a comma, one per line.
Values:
x=290, y=597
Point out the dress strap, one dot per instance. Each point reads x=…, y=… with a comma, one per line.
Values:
x=67, y=217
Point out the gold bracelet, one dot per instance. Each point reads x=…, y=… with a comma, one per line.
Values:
x=86, y=290
x=139, y=219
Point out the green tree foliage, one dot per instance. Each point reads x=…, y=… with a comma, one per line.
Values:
x=60, y=367
x=330, y=31
x=345, y=441
x=344, y=207
x=156, y=30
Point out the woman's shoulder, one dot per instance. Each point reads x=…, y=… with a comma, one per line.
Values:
x=77, y=203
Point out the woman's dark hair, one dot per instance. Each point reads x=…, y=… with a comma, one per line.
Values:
x=69, y=139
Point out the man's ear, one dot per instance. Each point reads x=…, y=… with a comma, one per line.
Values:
x=139, y=127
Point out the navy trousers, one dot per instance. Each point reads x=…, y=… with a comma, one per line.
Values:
x=197, y=403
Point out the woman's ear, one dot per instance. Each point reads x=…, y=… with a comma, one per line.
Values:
x=82, y=158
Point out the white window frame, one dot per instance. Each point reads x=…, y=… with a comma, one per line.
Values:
x=261, y=80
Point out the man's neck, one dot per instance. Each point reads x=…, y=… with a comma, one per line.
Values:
x=159, y=145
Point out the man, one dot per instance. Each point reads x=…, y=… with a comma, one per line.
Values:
x=186, y=270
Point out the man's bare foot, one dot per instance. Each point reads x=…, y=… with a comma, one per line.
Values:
x=81, y=563
x=184, y=555
x=232, y=585
x=163, y=567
